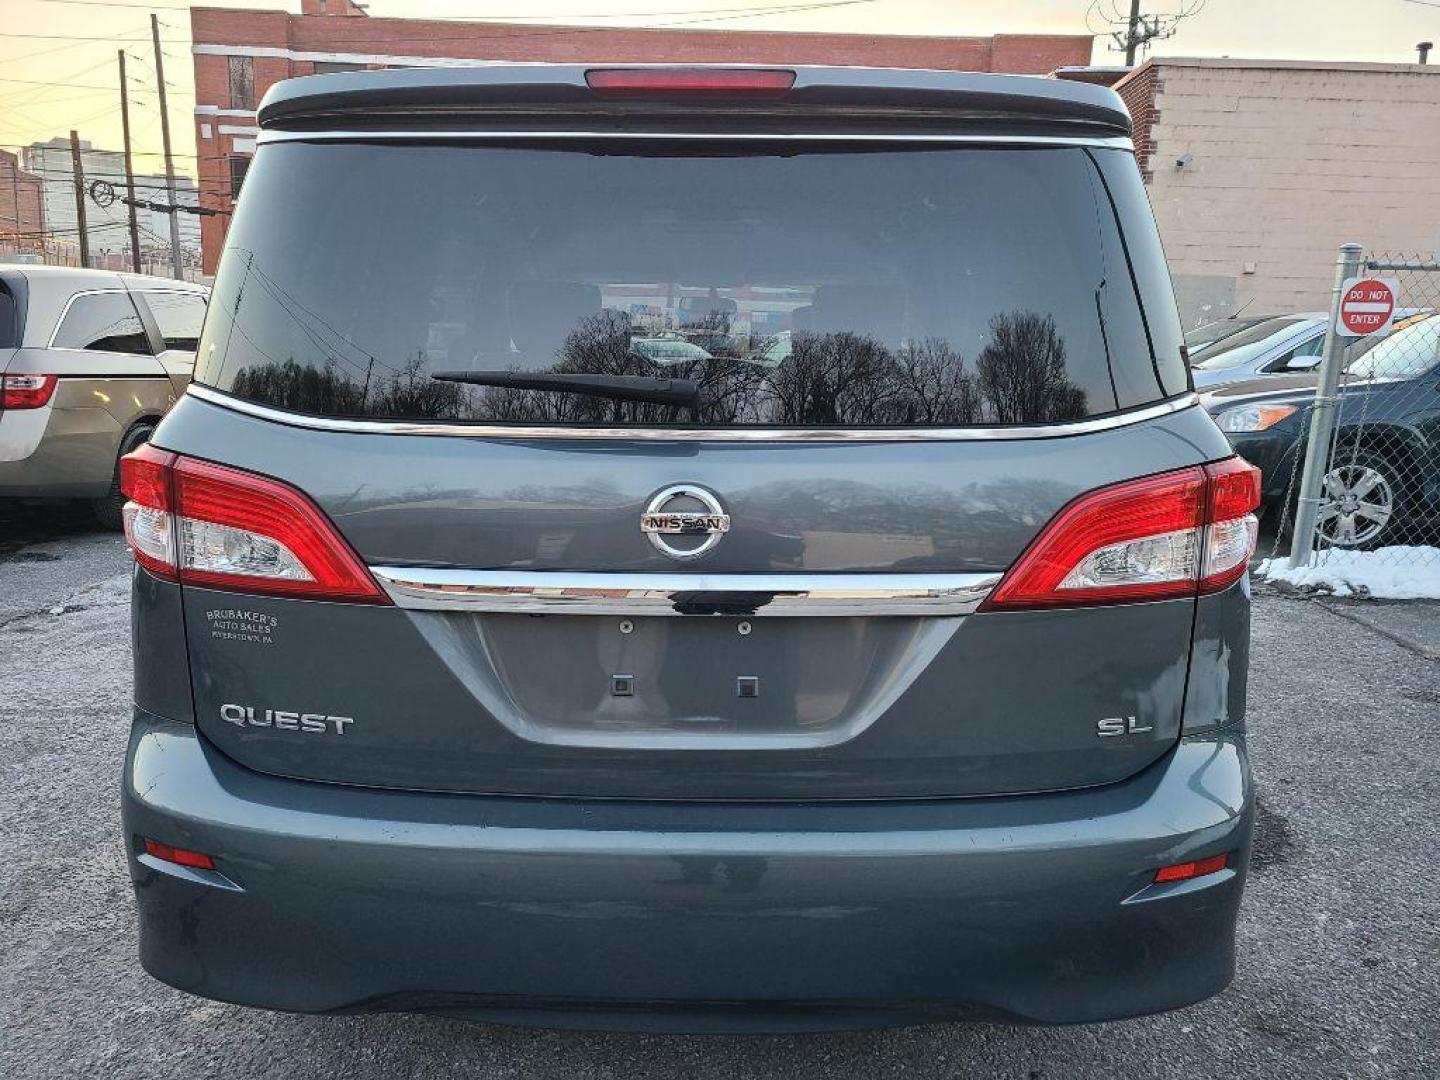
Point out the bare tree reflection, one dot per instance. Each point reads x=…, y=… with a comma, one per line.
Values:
x=1022, y=372
x=828, y=378
x=300, y=387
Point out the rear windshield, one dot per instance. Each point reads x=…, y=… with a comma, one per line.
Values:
x=1247, y=345
x=833, y=286
x=1202, y=337
x=1403, y=355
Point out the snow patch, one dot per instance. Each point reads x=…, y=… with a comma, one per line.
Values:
x=1390, y=573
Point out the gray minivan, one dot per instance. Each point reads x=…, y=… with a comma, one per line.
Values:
x=691, y=548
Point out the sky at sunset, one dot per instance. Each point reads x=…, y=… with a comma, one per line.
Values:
x=58, y=64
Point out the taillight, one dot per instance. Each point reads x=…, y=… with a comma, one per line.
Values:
x=26, y=391
x=688, y=82
x=222, y=528
x=1172, y=535
x=149, y=530
x=1231, y=524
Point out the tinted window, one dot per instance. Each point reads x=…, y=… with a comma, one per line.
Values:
x=179, y=316
x=9, y=320
x=104, y=322
x=1247, y=345
x=1165, y=335
x=829, y=287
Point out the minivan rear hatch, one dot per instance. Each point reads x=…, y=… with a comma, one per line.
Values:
x=686, y=462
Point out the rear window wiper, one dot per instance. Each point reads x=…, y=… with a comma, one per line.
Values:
x=685, y=392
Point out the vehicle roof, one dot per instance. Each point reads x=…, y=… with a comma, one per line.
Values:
x=74, y=278
x=504, y=94
x=45, y=291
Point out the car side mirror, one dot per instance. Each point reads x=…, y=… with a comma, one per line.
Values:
x=1302, y=363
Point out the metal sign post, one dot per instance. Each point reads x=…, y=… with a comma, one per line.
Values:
x=1322, y=416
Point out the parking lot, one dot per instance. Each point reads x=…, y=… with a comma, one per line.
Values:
x=1339, y=947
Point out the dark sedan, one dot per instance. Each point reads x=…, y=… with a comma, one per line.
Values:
x=1383, y=486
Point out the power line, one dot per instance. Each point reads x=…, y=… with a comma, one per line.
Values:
x=452, y=18
x=569, y=31
x=59, y=48
x=68, y=37
x=66, y=86
x=732, y=13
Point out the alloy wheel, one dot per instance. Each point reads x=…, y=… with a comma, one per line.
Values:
x=1356, y=506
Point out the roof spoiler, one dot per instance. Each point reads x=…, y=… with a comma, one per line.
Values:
x=497, y=97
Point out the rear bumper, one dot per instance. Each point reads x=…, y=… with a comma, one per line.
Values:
x=692, y=916
x=52, y=452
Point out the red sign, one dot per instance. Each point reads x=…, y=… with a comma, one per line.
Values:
x=1366, y=306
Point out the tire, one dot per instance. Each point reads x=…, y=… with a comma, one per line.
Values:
x=107, y=507
x=1363, y=500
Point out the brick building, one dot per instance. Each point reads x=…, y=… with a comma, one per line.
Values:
x=22, y=207
x=1259, y=169
x=240, y=54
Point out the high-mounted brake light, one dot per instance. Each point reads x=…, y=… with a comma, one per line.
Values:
x=1173, y=535
x=222, y=528
x=26, y=391
x=685, y=82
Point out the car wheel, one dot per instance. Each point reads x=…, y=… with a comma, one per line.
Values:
x=107, y=508
x=1361, y=501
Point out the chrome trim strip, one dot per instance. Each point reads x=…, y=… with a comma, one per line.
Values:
x=552, y=592
x=1112, y=142
x=521, y=432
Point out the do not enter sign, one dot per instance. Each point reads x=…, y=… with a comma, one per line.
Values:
x=1366, y=306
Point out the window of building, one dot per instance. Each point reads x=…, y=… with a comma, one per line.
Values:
x=238, y=166
x=323, y=67
x=102, y=322
x=179, y=316
x=242, y=82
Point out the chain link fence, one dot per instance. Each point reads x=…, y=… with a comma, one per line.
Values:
x=1363, y=496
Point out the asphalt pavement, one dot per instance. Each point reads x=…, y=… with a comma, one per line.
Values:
x=1339, y=937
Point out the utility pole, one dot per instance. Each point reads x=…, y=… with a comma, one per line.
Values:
x=129, y=169
x=78, y=175
x=15, y=196
x=175, y=265
x=1135, y=32
x=1322, y=415
x=1132, y=33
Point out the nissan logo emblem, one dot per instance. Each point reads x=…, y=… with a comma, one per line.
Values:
x=688, y=511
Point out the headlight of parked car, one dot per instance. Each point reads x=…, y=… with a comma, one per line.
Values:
x=1253, y=417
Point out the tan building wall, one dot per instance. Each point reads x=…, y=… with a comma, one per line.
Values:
x=1284, y=161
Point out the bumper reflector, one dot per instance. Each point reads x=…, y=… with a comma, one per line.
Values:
x=179, y=856
x=1186, y=870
